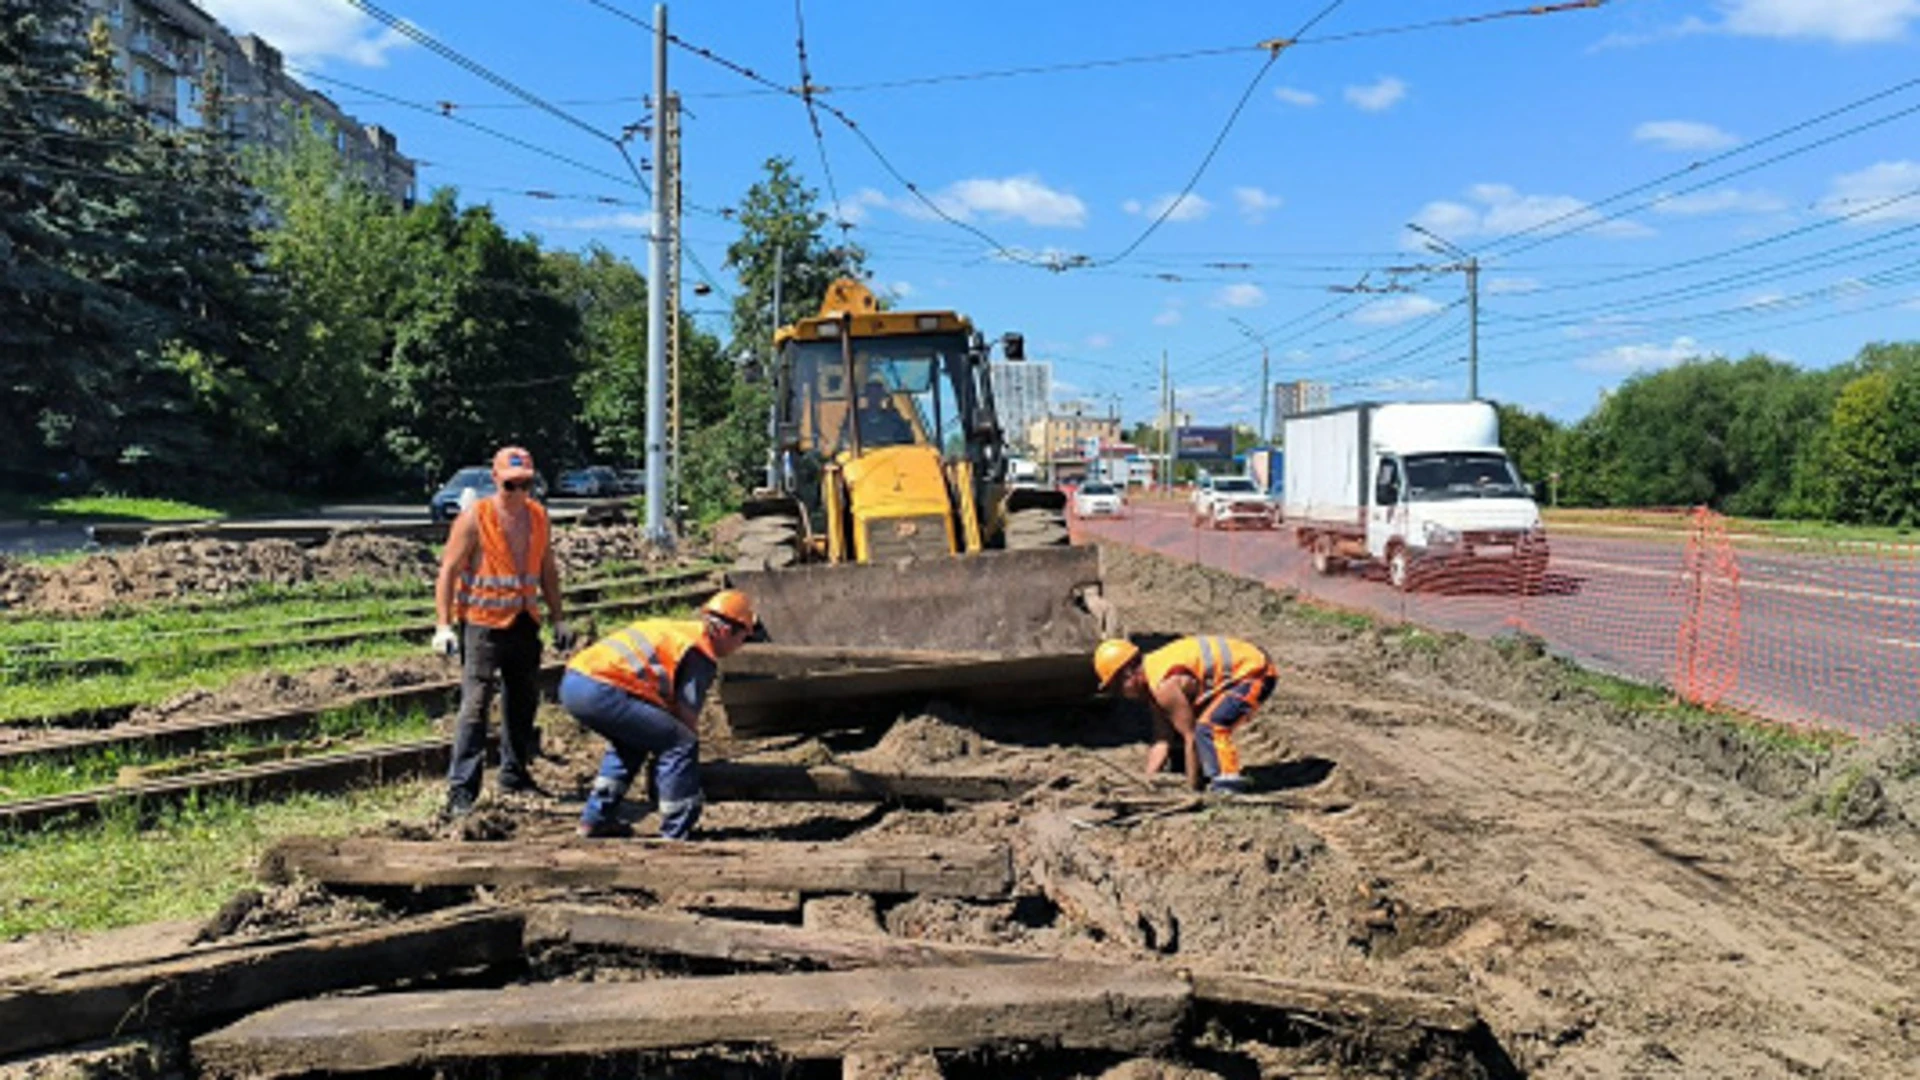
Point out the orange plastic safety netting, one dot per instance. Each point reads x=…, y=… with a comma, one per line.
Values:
x=1819, y=632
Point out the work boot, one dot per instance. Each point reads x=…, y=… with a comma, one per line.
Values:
x=521, y=785
x=459, y=805
x=606, y=830
x=1228, y=784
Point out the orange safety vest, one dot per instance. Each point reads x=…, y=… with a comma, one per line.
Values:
x=643, y=657
x=1214, y=662
x=493, y=591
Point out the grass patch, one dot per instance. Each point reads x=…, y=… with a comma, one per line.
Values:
x=1338, y=618
x=120, y=874
x=1659, y=701
x=364, y=727
x=261, y=609
x=26, y=702
x=1771, y=528
x=1835, y=802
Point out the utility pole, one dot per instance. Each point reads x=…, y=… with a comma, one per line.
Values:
x=656, y=524
x=773, y=359
x=1266, y=375
x=1468, y=263
x=1166, y=426
x=670, y=119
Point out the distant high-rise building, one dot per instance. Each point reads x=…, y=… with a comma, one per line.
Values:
x=1021, y=390
x=1299, y=396
x=164, y=49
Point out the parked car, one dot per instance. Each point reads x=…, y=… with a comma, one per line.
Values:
x=466, y=485
x=1097, y=498
x=1223, y=502
x=631, y=481
x=592, y=482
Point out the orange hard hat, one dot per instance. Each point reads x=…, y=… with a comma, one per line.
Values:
x=1112, y=658
x=731, y=605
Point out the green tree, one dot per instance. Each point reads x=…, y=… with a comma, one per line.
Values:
x=339, y=257
x=610, y=296
x=1872, y=443
x=485, y=350
x=1532, y=441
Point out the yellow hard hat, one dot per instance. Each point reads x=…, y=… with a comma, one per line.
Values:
x=732, y=605
x=1112, y=658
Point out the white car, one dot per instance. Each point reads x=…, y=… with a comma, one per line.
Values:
x=1226, y=502
x=1096, y=498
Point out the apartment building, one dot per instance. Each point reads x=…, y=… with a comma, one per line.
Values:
x=1299, y=396
x=1072, y=437
x=165, y=47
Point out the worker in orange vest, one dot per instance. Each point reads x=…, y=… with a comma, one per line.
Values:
x=642, y=688
x=1203, y=688
x=497, y=561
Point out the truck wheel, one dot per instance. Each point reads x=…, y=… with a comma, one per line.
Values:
x=1400, y=569
x=1324, y=561
x=1036, y=527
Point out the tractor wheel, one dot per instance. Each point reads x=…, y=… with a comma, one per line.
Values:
x=1036, y=527
x=769, y=543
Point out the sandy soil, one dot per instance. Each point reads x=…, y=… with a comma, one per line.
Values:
x=1620, y=894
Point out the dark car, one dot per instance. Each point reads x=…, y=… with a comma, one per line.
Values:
x=452, y=497
x=592, y=482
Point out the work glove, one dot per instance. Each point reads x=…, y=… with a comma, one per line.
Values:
x=563, y=637
x=445, y=641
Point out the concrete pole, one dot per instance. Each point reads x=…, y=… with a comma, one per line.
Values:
x=1473, y=328
x=1266, y=395
x=773, y=362
x=1166, y=426
x=656, y=525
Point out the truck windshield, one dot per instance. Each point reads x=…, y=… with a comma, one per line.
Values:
x=1462, y=476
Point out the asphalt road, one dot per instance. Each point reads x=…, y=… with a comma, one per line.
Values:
x=1824, y=637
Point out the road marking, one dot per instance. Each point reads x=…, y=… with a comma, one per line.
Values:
x=1896, y=642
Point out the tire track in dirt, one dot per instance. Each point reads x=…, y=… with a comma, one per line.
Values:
x=1611, y=913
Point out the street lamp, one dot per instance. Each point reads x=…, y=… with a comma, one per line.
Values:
x=1266, y=388
x=1470, y=263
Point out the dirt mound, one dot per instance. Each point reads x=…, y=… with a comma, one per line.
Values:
x=580, y=549
x=939, y=736
x=194, y=569
x=277, y=689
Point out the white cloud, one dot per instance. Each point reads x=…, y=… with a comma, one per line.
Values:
x=902, y=289
x=1683, y=135
x=1503, y=210
x=1244, y=295
x=1627, y=359
x=854, y=211
x=1188, y=207
x=1397, y=309
x=1401, y=384
x=1018, y=198
x=1844, y=21
x=1511, y=286
x=1099, y=341
x=1168, y=317
x=1255, y=204
x=1722, y=201
x=1303, y=98
x=1378, y=96
x=1765, y=300
x=310, y=32
x=1860, y=195
x=598, y=222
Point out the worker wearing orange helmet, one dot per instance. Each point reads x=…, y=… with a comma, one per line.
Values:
x=642, y=688
x=1204, y=688
x=495, y=570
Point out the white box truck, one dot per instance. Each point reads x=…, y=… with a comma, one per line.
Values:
x=1416, y=486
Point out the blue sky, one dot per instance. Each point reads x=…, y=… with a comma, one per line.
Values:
x=1641, y=181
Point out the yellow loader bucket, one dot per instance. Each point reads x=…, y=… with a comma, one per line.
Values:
x=1011, y=603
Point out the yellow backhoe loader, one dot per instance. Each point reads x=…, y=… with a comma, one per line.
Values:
x=887, y=519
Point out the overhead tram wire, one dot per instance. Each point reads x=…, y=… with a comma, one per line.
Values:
x=1695, y=167
x=420, y=37
x=552, y=155
x=807, y=91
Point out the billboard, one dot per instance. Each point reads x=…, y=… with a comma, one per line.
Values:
x=1203, y=443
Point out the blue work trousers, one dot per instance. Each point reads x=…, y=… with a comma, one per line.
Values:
x=636, y=728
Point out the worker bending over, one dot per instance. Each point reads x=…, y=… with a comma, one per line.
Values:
x=642, y=687
x=1204, y=688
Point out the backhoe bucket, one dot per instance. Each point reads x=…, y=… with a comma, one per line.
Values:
x=857, y=642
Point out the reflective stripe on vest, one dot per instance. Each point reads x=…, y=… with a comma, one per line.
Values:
x=642, y=658
x=1215, y=663
x=494, y=590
